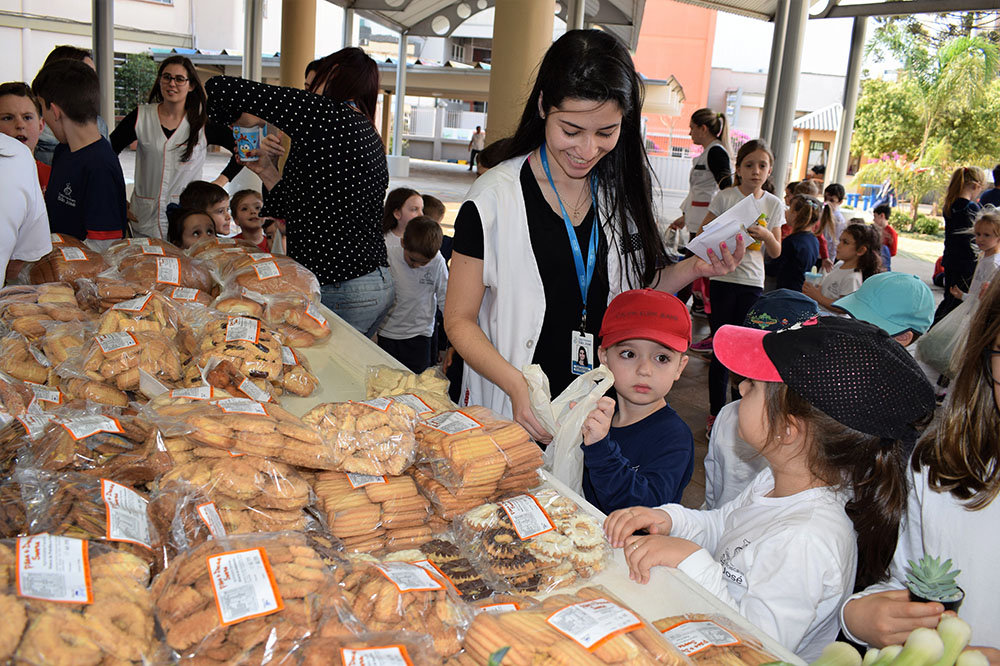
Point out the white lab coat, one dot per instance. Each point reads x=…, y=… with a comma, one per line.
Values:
x=701, y=188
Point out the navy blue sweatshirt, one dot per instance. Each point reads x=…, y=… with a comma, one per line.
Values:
x=648, y=463
x=799, y=253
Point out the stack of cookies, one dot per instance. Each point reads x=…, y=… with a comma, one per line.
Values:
x=116, y=359
x=373, y=513
x=26, y=308
x=373, y=437
x=459, y=571
x=430, y=386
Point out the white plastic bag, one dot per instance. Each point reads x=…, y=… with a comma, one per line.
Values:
x=563, y=456
x=941, y=347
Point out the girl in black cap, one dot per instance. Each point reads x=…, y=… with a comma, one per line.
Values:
x=786, y=551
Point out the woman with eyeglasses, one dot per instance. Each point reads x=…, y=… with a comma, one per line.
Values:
x=173, y=132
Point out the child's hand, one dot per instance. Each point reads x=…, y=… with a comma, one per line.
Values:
x=598, y=422
x=642, y=553
x=887, y=618
x=759, y=233
x=827, y=265
x=811, y=290
x=956, y=292
x=623, y=523
x=678, y=223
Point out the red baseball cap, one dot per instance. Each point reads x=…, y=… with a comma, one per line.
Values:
x=647, y=314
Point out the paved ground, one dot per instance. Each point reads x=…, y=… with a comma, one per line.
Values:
x=689, y=396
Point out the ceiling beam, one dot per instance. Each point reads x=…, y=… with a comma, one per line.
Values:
x=908, y=7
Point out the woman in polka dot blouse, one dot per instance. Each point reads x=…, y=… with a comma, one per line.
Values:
x=331, y=190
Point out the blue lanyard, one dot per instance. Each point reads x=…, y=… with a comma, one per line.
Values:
x=584, y=276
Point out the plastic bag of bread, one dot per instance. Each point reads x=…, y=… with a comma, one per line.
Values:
x=248, y=343
x=22, y=359
x=247, y=599
x=87, y=507
x=296, y=377
x=457, y=570
x=241, y=302
x=223, y=375
x=63, y=341
x=17, y=436
x=70, y=601
x=80, y=390
x=710, y=638
x=212, y=244
x=344, y=648
x=116, y=358
x=100, y=293
x=65, y=240
x=183, y=518
x=372, y=513
x=430, y=385
x=153, y=272
x=13, y=514
x=146, y=312
x=186, y=294
x=15, y=398
x=276, y=275
x=154, y=247
x=66, y=263
x=591, y=627
x=25, y=309
x=370, y=437
x=534, y=542
x=395, y=596
x=298, y=319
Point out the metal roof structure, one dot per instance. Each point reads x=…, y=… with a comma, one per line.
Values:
x=440, y=18
x=826, y=118
x=766, y=9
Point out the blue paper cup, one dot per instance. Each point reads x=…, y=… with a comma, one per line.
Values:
x=248, y=139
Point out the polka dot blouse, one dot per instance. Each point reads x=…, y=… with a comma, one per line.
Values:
x=334, y=182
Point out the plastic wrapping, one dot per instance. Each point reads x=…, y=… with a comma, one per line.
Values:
x=430, y=385
x=592, y=627
x=23, y=360
x=373, y=513
x=80, y=389
x=66, y=263
x=245, y=341
x=105, y=290
x=710, y=638
x=212, y=244
x=87, y=507
x=537, y=542
x=223, y=375
x=152, y=312
x=15, y=398
x=299, y=321
x=18, y=435
x=296, y=376
x=153, y=272
x=25, y=309
x=63, y=341
x=371, y=437
x=116, y=627
x=346, y=649
x=13, y=514
x=183, y=518
x=941, y=347
x=247, y=599
x=129, y=247
x=116, y=358
x=275, y=275
x=241, y=302
x=456, y=569
x=394, y=596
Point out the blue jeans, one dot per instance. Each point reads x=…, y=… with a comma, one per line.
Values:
x=362, y=302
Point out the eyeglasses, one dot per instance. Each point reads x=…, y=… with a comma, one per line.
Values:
x=168, y=78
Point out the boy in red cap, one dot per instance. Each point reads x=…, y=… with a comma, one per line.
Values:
x=638, y=451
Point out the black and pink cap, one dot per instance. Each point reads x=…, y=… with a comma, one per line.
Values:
x=850, y=370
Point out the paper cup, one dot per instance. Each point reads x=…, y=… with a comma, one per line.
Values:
x=248, y=139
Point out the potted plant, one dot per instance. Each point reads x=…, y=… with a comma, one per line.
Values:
x=932, y=580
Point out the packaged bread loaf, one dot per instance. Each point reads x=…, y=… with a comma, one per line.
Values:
x=26, y=309
x=66, y=263
x=116, y=358
x=711, y=638
x=592, y=627
x=276, y=275
x=63, y=341
x=298, y=319
x=94, y=609
x=223, y=375
x=146, y=312
x=372, y=513
x=105, y=290
x=22, y=359
x=247, y=599
x=183, y=518
x=153, y=272
x=296, y=377
x=370, y=437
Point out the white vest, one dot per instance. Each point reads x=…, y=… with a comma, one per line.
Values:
x=701, y=188
x=514, y=301
x=160, y=176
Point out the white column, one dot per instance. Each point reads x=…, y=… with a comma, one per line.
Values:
x=104, y=55
x=774, y=69
x=399, y=165
x=576, y=14
x=838, y=172
x=784, y=112
x=253, y=29
x=348, y=27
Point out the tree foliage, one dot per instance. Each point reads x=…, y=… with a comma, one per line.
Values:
x=886, y=119
x=133, y=80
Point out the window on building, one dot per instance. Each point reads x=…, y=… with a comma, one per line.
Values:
x=819, y=152
x=678, y=151
x=458, y=51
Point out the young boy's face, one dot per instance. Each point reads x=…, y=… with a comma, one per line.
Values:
x=414, y=260
x=247, y=214
x=20, y=119
x=880, y=220
x=220, y=214
x=831, y=199
x=644, y=370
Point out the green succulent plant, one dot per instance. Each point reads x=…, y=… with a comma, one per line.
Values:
x=932, y=579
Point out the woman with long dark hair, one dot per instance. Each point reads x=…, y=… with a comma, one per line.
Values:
x=559, y=227
x=331, y=189
x=173, y=132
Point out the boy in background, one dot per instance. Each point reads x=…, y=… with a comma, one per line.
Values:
x=21, y=118
x=86, y=193
x=421, y=279
x=880, y=218
x=211, y=198
x=638, y=451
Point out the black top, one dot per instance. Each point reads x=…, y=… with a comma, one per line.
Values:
x=719, y=165
x=333, y=186
x=215, y=134
x=86, y=193
x=554, y=257
x=799, y=253
x=959, y=244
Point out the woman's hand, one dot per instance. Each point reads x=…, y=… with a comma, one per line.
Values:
x=642, y=553
x=887, y=618
x=264, y=168
x=521, y=405
x=724, y=263
x=678, y=223
x=623, y=523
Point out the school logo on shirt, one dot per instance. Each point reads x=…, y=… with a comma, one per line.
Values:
x=66, y=196
x=731, y=573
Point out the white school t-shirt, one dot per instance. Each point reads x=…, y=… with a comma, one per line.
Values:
x=840, y=282
x=750, y=271
x=420, y=292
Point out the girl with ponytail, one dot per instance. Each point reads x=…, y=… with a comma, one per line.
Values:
x=960, y=209
x=823, y=517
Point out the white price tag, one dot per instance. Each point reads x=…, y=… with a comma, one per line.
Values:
x=133, y=304
x=81, y=427
x=34, y=424
x=137, y=241
x=73, y=254
x=381, y=404
x=415, y=403
x=362, y=480
x=452, y=423
x=261, y=256
x=243, y=328
x=527, y=516
x=57, y=239
x=39, y=356
x=244, y=585
x=225, y=241
x=46, y=394
x=153, y=249
x=390, y=655
x=184, y=294
x=210, y=515
x=241, y=406
x=126, y=509
x=314, y=312
x=288, y=356
x=197, y=393
x=693, y=636
x=253, y=391
x=112, y=342
x=408, y=577
x=168, y=270
x=54, y=569
x=267, y=270
x=499, y=609
x=591, y=623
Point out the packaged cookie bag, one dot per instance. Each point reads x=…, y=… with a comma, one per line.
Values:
x=183, y=518
x=24, y=360
x=710, y=638
x=16, y=397
x=71, y=601
x=116, y=358
x=429, y=387
x=13, y=513
x=371, y=513
x=150, y=311
x=156, y=272
x=402, y=648
x=100, y=293
x=592, y=627
x=459, y=572
x=298, y=319
x=249, y=344
x=370, y=437
x=296, y=378
x=26, y=308
x=246, y=599
x=220, y=373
